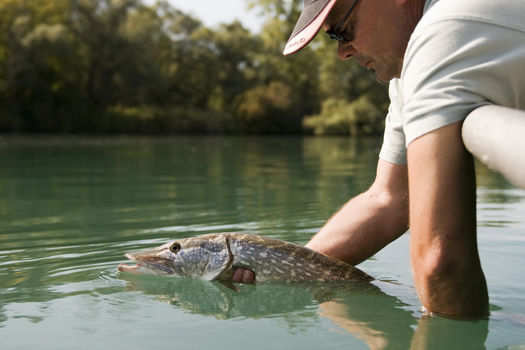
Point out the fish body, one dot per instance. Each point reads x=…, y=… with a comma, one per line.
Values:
x=216, y=256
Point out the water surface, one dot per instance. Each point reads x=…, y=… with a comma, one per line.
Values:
x=70, y=207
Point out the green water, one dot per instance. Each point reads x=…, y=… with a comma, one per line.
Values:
x=71, y=207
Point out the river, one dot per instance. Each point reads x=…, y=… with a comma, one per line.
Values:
x=70, y=207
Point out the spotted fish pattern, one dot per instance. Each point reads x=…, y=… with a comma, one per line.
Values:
x=276, y=260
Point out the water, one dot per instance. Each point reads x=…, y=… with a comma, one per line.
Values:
x=70, y=207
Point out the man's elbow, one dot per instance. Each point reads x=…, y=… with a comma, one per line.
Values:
x=449, y=283
x=392, y=206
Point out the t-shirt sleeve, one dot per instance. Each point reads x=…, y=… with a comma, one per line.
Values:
x=394, y=149
x=451, y=69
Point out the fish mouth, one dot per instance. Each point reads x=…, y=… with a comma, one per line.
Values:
x=130, y=268
x=137, y=269
x=143, y=267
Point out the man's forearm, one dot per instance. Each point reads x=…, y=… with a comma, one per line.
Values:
x=443, y=244
x=369, y=221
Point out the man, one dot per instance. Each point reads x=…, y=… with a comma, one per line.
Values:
x=443, y=59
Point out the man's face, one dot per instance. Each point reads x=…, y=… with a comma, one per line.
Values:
x=376, y=33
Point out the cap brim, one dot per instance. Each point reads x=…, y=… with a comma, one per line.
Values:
x=301, y=39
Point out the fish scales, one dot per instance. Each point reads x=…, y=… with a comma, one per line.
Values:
x=277, y=260
x=216, y=256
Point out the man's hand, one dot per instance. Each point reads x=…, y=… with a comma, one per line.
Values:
x=243, y=276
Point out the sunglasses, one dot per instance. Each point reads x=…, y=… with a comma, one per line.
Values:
x=337, y=33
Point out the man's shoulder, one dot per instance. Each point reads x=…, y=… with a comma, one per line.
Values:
x=459, y=52
x=506, y=13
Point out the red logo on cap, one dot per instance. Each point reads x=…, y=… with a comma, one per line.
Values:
x=297, y=42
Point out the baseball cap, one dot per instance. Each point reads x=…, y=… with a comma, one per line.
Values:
x=308, y=25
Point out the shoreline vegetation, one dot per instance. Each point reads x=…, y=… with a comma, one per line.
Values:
x=122, y=66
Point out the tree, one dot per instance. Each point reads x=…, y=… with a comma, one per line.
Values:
x=124, y=66
x=338, y=116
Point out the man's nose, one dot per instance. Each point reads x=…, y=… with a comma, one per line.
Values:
x=345, y=51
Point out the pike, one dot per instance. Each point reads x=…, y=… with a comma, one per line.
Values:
x=216, y=256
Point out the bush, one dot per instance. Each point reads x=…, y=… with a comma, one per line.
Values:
x=267, y=109
x=151, y=119
x=340, y=117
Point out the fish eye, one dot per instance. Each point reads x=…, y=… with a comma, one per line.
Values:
x=175, y=247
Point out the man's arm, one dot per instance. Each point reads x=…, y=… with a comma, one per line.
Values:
x=369, y=221
x=443, y=247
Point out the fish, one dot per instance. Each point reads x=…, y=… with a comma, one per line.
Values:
x=217, y=256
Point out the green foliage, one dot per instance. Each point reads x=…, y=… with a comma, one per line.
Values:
x=338, y=116
x=267, y=108
x=123, y=66
x=148, y=119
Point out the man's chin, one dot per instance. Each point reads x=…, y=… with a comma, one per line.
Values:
x=382, y=78
x=384, y=74
x=377, y=77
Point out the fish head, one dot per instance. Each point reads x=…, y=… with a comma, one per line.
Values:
x=204, y=257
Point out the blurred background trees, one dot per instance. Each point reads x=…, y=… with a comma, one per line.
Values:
x=121, y=66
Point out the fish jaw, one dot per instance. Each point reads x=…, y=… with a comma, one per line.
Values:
x=137, y=269
x=147, y=263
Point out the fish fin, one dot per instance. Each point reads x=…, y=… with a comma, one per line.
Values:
x=230, y=285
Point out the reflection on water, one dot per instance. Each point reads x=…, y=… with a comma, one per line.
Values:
x=252, y=301
x=430, y=330
x=361, y=309
x=220, y=301
x=70, y=207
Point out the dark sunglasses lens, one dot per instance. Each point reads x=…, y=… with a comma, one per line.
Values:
x=335, y=36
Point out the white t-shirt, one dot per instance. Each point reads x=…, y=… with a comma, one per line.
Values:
x=461, y=55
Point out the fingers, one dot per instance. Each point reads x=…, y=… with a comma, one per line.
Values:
x=243, y=276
